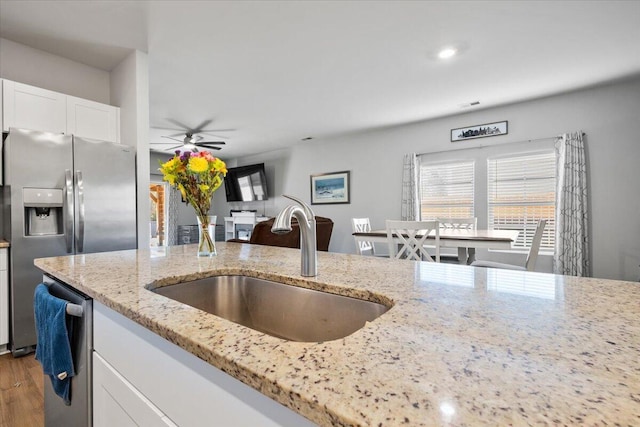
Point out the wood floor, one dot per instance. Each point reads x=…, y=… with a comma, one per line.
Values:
x=21, y=392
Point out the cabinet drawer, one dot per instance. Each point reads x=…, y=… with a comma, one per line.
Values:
x=186, y=389
x=116, y=402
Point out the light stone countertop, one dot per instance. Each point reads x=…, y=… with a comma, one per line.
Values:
x=4, y=244
x=460, y=346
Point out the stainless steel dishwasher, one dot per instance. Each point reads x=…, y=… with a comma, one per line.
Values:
x=79, y=413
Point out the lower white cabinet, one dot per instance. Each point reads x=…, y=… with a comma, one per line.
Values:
x=4, y=298
x=117, y=403
x=141, y=378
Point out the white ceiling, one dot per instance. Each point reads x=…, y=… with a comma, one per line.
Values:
x=277, y=72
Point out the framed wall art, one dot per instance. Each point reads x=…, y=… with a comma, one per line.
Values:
x=330, y=188
x=479, y=131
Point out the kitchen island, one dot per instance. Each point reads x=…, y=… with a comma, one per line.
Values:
x=459, y=346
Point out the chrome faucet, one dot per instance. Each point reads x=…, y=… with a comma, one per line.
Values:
x=307, y=222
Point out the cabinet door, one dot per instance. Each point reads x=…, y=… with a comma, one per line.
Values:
x=94, y=120
x=30, y=107
x=117, y=403
x=4, y=298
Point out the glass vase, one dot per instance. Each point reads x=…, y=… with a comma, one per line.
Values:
x=206, y=236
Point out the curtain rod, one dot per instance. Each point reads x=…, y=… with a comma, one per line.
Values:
x=493, y=145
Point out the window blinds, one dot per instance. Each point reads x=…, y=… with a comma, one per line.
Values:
x=446, y=190
x=521, y=191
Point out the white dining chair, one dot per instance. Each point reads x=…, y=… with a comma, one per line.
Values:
x=362, y=225
x=459, y=223
x=407, y=239
x=532, y=256
x=470, y=223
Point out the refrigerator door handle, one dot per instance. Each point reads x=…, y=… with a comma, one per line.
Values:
x=68, y=226
x=80, y=199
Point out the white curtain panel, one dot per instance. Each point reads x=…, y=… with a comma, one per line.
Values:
x=571, y=255
x=410, y=198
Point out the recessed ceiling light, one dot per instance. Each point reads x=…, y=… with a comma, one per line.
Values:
x=308, y=138
x=447, y=53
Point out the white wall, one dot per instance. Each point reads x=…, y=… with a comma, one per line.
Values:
x=34, y=67
x=609, y=115
x=130, y=92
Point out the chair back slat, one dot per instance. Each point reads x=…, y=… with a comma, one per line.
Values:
x=407, y=239
x=458, y=223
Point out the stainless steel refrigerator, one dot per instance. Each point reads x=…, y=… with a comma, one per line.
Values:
x=62, y=195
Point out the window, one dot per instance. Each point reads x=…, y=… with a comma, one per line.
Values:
x=521, y=191
x=446, y=190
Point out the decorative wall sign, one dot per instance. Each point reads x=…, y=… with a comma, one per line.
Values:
x=330, y=188
x=479, y=131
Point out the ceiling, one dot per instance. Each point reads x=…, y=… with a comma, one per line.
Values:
x=276, y=72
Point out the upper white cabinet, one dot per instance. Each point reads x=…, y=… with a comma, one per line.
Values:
x=30, y=107
x=92, y=119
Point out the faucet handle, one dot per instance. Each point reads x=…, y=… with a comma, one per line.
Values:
x=305, y=207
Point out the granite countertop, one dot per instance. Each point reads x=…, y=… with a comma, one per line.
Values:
x=460, y=346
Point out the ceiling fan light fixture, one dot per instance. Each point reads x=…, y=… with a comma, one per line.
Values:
x=447, y=53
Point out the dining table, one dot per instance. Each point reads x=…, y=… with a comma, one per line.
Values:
x=466, y=241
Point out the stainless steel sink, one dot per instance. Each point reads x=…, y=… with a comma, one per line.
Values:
x=284, y=311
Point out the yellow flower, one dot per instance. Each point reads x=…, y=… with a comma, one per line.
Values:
x=198, y=164
x=203, y=187
x=220, y=166
x=171, y=179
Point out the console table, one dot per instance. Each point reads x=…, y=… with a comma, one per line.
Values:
x=230, y=222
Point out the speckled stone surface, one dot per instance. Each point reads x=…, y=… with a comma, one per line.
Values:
x=461, y=346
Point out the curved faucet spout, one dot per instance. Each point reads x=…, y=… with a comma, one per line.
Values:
x=307, y=223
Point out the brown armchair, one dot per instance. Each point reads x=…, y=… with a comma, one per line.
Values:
x=262, y=234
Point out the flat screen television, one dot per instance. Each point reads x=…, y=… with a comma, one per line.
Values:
x=246, y=183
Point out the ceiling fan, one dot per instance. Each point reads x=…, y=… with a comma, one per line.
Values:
x=191, y=139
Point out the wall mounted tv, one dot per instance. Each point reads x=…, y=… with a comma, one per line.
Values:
x=246, y=183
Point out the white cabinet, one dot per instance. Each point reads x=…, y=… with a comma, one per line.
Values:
x=30, y=107
x=117, y=403
x=240, y=226
x=4, y=298
x=178, y=385
x=92, y=119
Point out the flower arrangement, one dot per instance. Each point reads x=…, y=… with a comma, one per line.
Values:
x=197, y=176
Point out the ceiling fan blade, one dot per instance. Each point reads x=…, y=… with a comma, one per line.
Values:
x=177, y=146
x=210, y=147
x=161, y=143
x=182, y=126
x=201, y=126
x=217, y=130
x=163, y=128
x=169, y=137
x=211, y=142
x=215, y=135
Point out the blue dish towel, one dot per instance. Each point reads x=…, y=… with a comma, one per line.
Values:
x=53, y=349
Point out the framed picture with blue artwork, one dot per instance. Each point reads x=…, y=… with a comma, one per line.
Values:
x=330, y=188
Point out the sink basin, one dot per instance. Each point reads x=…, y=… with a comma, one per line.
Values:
x=283, y=311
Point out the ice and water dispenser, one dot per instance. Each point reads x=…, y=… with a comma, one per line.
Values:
x=42, y=211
